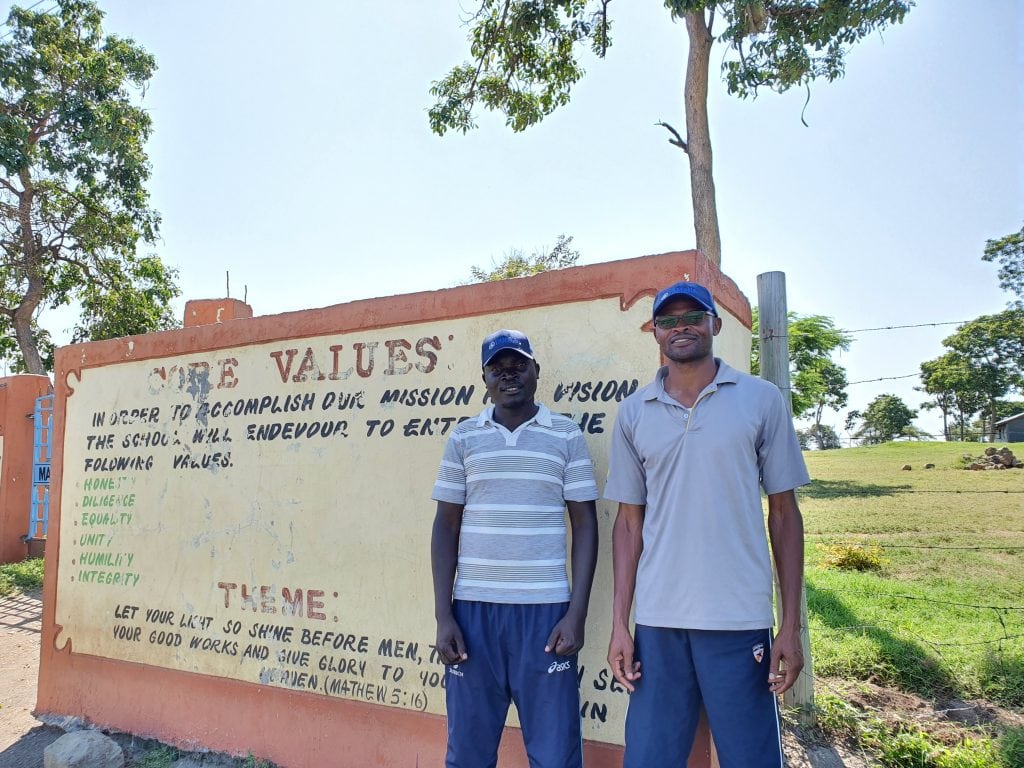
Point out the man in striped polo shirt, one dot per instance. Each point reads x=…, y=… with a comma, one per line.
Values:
x=509, y=625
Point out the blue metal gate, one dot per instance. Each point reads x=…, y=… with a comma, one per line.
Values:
x=41, y=451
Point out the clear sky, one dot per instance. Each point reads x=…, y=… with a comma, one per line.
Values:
x=292, y=148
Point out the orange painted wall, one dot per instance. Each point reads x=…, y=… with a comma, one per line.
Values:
x=293, y=729
x=17, y=403
x=211, y=311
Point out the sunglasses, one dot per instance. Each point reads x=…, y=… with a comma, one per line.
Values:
x=694, y=317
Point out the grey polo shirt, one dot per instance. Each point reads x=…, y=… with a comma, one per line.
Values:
x=705, y=562
x=514, y=486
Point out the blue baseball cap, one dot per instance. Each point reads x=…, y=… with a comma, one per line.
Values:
x=504, y=339
x=694, y=291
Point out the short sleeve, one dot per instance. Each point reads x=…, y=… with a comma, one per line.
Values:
x=450, y=485
x=578, y=482
x=627, y=481
x=779, y=460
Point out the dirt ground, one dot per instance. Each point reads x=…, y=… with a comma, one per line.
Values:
x=22, y=737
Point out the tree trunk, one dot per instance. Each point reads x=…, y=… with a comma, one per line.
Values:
x=22, y=323
x=22, y=317
x=698, y=138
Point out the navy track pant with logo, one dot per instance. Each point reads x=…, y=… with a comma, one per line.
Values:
x=507, y=663
x=680, y=669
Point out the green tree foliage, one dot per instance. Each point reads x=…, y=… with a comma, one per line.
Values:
x=957, y=390
x=524, y=60
x=817, y=382
x=1008, y=253
x=824, y=438
x=993, y=348
x=985, y=361
x=886, y=418
x=73, y=169
x=135, y=300
x=1007, y=408
x=984, y=427
x=517, y=264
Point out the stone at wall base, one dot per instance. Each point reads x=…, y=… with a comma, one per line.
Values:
x=83, y=749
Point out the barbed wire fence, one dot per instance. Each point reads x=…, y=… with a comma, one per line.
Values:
x=987, y=434
x=997, y=625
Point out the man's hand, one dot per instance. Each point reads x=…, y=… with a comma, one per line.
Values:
x=567, y=636
x=450, y=645
x=786, y=661
x=620, y=658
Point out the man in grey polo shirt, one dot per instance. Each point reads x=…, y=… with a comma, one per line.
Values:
x=508, y=624
x=690, y=454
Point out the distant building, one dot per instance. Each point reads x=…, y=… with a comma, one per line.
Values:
x=1010, y=430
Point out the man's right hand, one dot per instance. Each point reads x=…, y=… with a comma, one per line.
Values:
x=450, y=645
x=620, y=658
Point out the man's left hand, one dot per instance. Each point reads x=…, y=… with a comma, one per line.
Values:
x=567, y=636
x=787, y=660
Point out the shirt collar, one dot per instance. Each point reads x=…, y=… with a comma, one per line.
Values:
x=542, y=417
x=726, y=375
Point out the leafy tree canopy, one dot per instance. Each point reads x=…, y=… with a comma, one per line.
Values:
x=73, y=169
x=824, y=437
x=517, y=264
x=816, y=381
x=886, y=418
x=1008, y=253
x=524, y=61
x=788, y=43
x=525, y=52
x=1007, y=408
x=995, y=342
x=957, y=388
x=985, y=363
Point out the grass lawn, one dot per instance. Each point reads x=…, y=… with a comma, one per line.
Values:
x=945, y=613
x=941, y=615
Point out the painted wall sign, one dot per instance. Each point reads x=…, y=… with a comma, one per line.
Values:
x=260, y=512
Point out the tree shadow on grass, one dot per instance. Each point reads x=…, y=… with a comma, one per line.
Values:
x=831, y=489
x=899, y=661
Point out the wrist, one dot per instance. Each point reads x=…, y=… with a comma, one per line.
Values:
x=620, y=625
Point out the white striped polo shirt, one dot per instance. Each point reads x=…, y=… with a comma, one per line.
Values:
x=513, y=487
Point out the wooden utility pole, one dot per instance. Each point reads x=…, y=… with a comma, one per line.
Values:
x=773, y=337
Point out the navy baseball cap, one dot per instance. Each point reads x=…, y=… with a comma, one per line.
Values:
x=504, y=339
x=684, y=290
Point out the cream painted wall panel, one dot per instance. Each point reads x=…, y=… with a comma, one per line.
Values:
x=263, y=513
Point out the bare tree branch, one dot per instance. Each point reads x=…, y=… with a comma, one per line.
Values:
x=10, y=187
x=677, y=140
x=604, y=26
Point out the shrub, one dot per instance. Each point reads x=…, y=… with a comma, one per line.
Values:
x=851, y=557
x=27, y=574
